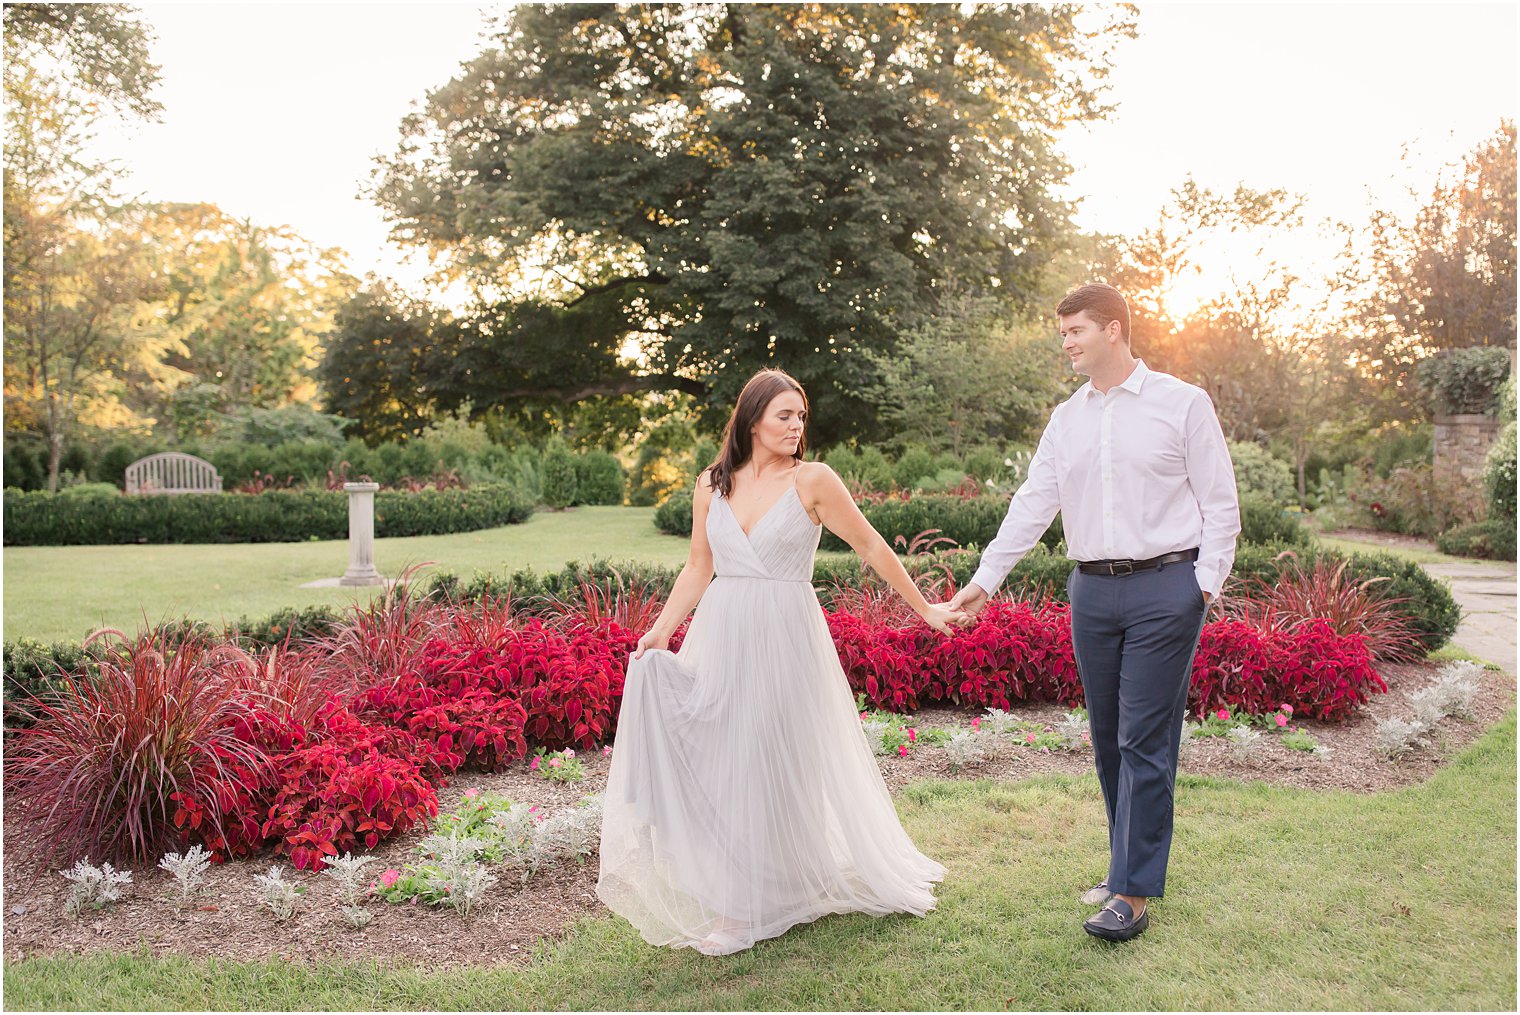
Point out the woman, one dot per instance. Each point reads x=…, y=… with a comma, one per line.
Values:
x=743, y=798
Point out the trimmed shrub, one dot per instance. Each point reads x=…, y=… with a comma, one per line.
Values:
x=1490, y=540
x=559, y=475
x=1263, y=521
x=968, y=521
x=599, y=478
x=1260, y=475
x=36, y=671
x=42, y=519
x=673, y=517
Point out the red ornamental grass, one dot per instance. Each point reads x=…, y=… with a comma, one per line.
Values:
x=631, y=605
x=1324, y=592
x=99, y=773
x=383, y=643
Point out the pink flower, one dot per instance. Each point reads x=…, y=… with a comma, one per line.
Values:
x=556, y=762
x=533, y=765
x=607, y=752
x=1044, y=750
x=902, y=750
x=912, y=735
x=390, y=877
x=1028, y=738
x=569, y=753
x=471, y=793
x=1282, y=720
x=1223, y=713
x=1288, y=709
x=976, y=724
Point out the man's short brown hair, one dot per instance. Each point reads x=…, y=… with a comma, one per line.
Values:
x=1102, y=302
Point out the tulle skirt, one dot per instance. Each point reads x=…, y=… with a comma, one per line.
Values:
x=743, y=798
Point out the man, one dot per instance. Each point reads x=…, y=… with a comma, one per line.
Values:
x=1137, y=466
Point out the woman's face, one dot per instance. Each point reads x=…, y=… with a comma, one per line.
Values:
x=779, y=429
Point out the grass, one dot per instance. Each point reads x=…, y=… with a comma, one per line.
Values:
x=1418, y=556
x=63, y=592
x=1280, y=899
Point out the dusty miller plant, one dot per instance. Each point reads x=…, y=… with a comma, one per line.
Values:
x=279, y=895
x=999, y=722
x=1244, y=741
x=965, y=748
x=1397, y=736
x=93, y=887
x=1074, y=730
x=188, y=870
x=346, y=871
x=876, y=734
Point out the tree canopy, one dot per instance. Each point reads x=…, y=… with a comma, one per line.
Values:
x=671, y=196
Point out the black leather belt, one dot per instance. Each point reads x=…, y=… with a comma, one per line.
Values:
x=1113, y=567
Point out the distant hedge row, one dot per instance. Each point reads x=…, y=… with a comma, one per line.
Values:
x=279, y=516
x=975, y=521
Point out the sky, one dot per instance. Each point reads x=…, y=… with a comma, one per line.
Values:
x=275, y=112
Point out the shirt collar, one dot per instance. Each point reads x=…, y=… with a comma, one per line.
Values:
x=1132, y=383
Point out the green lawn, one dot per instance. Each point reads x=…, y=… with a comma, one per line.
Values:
x=1415, y=554
x=63, y=592
x=1280, y=899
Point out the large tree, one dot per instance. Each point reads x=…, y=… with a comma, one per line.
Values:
x=701, y=190
x=243, y=308
x=1445, y=278
x=72, y=274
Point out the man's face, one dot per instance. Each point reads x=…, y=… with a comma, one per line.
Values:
x=1086, y=344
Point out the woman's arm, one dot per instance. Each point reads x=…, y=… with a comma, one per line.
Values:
x=693, y=580
x=825, y=496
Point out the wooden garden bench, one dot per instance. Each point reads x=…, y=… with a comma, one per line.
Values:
x=173, y=472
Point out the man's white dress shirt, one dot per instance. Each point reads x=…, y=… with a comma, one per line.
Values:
x=1140, y=471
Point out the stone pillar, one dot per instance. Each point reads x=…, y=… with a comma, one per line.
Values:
x=1461, y=447
x=361, y=535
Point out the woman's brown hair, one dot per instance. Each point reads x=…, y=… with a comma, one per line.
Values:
x=738, y=444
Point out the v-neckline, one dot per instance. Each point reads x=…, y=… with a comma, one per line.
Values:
x=758, y=521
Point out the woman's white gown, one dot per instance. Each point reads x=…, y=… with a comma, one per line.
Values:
x=743, y=798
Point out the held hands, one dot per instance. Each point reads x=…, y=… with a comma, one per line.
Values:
x=970, y=601
x=651, y=640
x=944, y=618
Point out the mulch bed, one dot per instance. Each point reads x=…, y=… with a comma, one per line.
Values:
x=227, y=919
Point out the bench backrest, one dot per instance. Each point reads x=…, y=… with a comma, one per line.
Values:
x=173, y=472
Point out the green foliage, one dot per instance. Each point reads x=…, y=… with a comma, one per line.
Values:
x=559, y=475
x=599, y=478
x=865, y=466
x=1499, y=471
x=36, y=670
x=1260, y=474
x=799, y=200
x=274, y=427
x=1493, y=539
x=674, y=516
x=96, y=490
x=43, y=519
x=381, y=346
x=1411, y=500
x=1262, y=521
x=974, y=521
x=1464, y=380
x=296, y=624
x=971, y=373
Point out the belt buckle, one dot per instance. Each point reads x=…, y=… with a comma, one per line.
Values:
x=1128, y=565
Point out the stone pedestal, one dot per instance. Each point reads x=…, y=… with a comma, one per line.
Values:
x=1461, y=447
x=361, y=535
